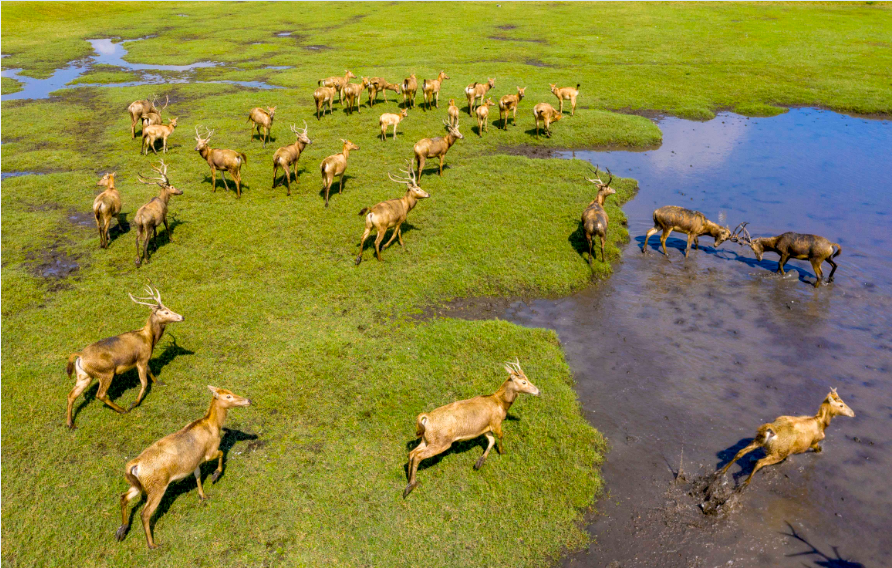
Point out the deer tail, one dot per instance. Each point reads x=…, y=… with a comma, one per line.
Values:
x=364, y=211
x=130, y=474
x=70, y=367
x=838, y=250
x=243, y=157
x=420, y=424
x=577, y=86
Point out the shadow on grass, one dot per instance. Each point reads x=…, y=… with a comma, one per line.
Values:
x=228, y=184
x=279, y=181
x=122, y=228
x=580, y=244
x=259, y=137
x=821, y=559
x=337, y=187
x=370, y=242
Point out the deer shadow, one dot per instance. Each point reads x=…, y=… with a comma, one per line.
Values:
x=771, y=266
x=822, y=559
x=678, y=244
x=156, y=242
x=121, y=228
x=433, y=170
x=279, y=181
x=746, y=463
x=541, y=134
x=227, y=184
x=337, y=186
x=257, y=136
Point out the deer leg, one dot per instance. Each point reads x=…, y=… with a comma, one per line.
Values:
x=781, y=262
x=225, y=183
x=696, y=243
x=288, y=177
x=219, y=471
x=151, y=504
x=753, y=445
x=421, y=160
x=819, y=274
x=663, y=241
x=81, y=383
x=275, y=172
x=413, y=467
x=588, y=238
x=167, y=231
x=327, y=190
x=214, y=178
x=378, y=238
x=126, y=497
x=154, y=149
x=767, y=460
x=603, y=257
x=104, y=383
x=365, y=235
x=688, y=248
x=138, y=249
x=399, y=234
x=393, y=235
x=832, y=270
x=482, y=459
x=573, y=102
x=237, y=176
x=341, y=185
x=153, y=377
x=497, y=430
x=651, y=231
x=145, y=247
x=201, y=494
x=143, y=384
x=164, y=145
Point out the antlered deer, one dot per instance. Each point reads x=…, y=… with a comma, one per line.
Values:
x=466, y=420
x=410, y=88
x=594, y=218
x=545, y=113
x=154, y=116
x=288, y=155
x=693, y=223
x=431, y=89
x=263, y=122
x=812, y=248
x=482, y=112
x=323, y=95
x=353, y=93
x=337, y=83
x=174, y=457
x=151, y=134
x=476, y=91
x=435, y=147
x=223, y=160
x=390, y=119
x=117, y=355
x=566, y=93
x=139, y=110
x=106, y=205
x=391, y=213
x=334, y=166
x=380, y=85
x=509, y=103
x=452, y=112
x=153, y=213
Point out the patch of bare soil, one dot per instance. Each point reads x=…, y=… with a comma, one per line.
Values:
x=524, y=40
x=537, y=63
x=53, y=262
x=506, y=27
x=317, y=47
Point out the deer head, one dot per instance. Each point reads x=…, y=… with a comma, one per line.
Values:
x=453, y=130
x=410, y=181
x=163, y=182
x=202, y=143
x=301, y=133
x=159, y=310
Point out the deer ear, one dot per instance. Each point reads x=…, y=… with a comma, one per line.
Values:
x=214, y=390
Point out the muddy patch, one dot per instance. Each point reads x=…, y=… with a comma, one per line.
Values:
x=54, y=262
x=539, y=152
x=537, y=63
x=522, y=40
x=317, y=47
x=81, y=219
x=506, y=27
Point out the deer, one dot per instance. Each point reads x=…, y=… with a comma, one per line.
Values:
x=482, y=112
x=173, y=458
x=154, y=213
x=545, y=113
x=452, y=112
x=410, y=88
x=337, y=83
x=391, y=213
x=223, y=160
x=476, y=91
x=323, y=95
x=692, y=223
x=509, y=103
x=263, y=122
x=789, y=435
x=812, y=248
x=116, y=355
x=106, y=205
x=352, y=93
x=288, y=155
x=334, y=166
x=151, y=134
x=436, y=147
x=594, y=218
x=566, y=93
x=380, y=85
x=390, y=119
x=431, y=89
x=466, y=420
x=140, y=109
x=154, y=116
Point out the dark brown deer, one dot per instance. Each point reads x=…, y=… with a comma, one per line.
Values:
x=323, y=96
x=476, y=91
x=151, y=134
x=692, y=223
x=288, y=155
x=594, y=218
x=106, y=205
x=223, y=160
x=566, y=93
x=390, y=119
x=334, y=166
x=154, y=117
x=263, y=122
x=431, y=89
x=139, y=110
x=812, y=248
x=338, y=83
x=117, y=355
x=353, y=94
x=482, y=112
x=380, y=85
x=435, y=147
x=545, y=113
x=153, y=213
x=509, y=103
x=410, y=89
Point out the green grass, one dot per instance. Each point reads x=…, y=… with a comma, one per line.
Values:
x=333, y=355
x=10, y=86
x=106, y=74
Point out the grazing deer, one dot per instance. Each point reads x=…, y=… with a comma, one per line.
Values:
x=482, y=112
x=431, y=89
x=452, y=112
x=789, y=435
x=812, y=248
x=692, y=223
x=380, y=85
x=338, y=83
x=288, y=155
x=106, y=205
x=139, y=110
x=334, y=166
x=476, y=91
x=594, y=218
x=323, y=95
x=410, y=89
x=263, y=122
x=353, y=93
x=151, y=134
x=435, y=147
x=545, y=113
x=391, y=213
x=174, y=457
x=223, y=160
x=509, y=103
x=466, y=420
x=117, y=355
x=566, y=93
x=154, y=116
x=153, y=213
x=390, y=119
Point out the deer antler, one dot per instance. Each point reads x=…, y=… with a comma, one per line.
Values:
x=514, y=366
x=737, y=237
x=154, y=295
x=162, y=181
x=166, y=102
x=305, y=128
x=596, y=180
x=410, y=179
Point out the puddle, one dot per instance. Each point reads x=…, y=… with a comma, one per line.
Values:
x=317, y=47
x=53, y=263
x=284, y=34
x=5, y=175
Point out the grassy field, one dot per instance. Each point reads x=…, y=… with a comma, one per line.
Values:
x=335, y=356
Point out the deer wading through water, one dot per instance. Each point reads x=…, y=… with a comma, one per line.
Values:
x=334, y=166
x=812, y=248
x=139, y=110
x=380, y=85
x=151, y=135
x=431, y=89
x=263, y=122
x=117, y=355
x=476, y=91
x=223, y=160
x=435, y=147
x=509, y=103
x=288, y=155
x=175, y=457
x=153, y=214
x=564, y=94
x=466, y=420
x=594, y=218
x=106, y=205
x=692, y=223
x=337, y=83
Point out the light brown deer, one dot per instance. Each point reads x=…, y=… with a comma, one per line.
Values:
x=323, y=96
x=106, y=205
x=509, y=103
x=334, y=166
x=482, y=112
x=410, y=89
x=812, y=248
x=476, y=91
x=436, y=147
x=380, y=85
x=546, y=114
x=117, y=355
x=789, y=435
x=594, y=218
x=452, y=112
x=223, y=160
x=466, y=420
x=154, y=116
x=353, y=93
x=564, y=94
x=175, y=457
x=693, y=223
x=431, y=89
x=288, y=155
x=338, y=83
x=391, y=214
x=390, y=119
x=138, y=110
x=263, y=122
x=151, y=134
x=153, y=213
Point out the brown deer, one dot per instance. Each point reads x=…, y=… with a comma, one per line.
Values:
x=545, y=113
x=789, y=435
x=106, y=205
x=153, y=213
x=223, y=160
x=139, y=110
x=338, y=83
x=692, y=223
x=323, y=96
x=509, y=103
x=476, y=91
x=436, y=147
x=174, y=457
x=452, y=112
x=594, y=218
x=288, y=155
x=263, y=122
x=566, y=93
x=151, y=134
x=390, y=119
x=410, y=89
x=482, y=112
x=334, y=166
x=117, y=355
x=812, y=248
x=353, y=93
x=431, y=89
x=380, y=85
x=391, y=213
x=466, y=420
x=154, y=116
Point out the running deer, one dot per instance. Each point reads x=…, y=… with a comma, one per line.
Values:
x=431, y=89
x=410, y=89
x=323, y=96
x=338, y=83
x=154, y=116
x=545, y=113
x=509, y=103
x=390, y=119
x=692, y=223
x=151, y=134
x=452, y=112
x=566, y=94
x=436, y=147
x=476, y=91
x=223, y=160
x=174, y=457
x=153, y=213
x=106, y=205
x=139, y=110
x=380, y=85
x=391, y=213
x=117, y=355
x=594, y=218
x=482, y=112
x=335, y=166
x=263, y=122
x=789, y=435
x=466, y=420
x=812, y=248
x=288, y=155
x=353, y=93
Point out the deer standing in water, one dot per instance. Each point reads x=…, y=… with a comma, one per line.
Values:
x=436, y=147
x=223, y=160
x=476, y=91
x=334, y=166
x=151, y=134
x=509, y=103
x=812, y=248
x=153, y=213
x=594, y=218
x=390, y=119
x=692, y=223
x=566, y=93
x=431, y=89
x=139, y=110
x=263, y=122
x=410, y=89
x=380, y=85
x=545, y=113
x=482, y=112
x=288, y=155
x=337, y=83
x=106, y=205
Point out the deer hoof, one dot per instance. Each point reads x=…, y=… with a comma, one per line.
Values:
x=409, y=489
x=160, y=383
x=71, y=426
x=358, y=260
x=216, y=476
x=154, y=546
x=479, y=463
x=204, y=499
x=121, y=532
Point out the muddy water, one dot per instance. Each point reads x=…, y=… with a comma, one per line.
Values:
x=678, y=361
